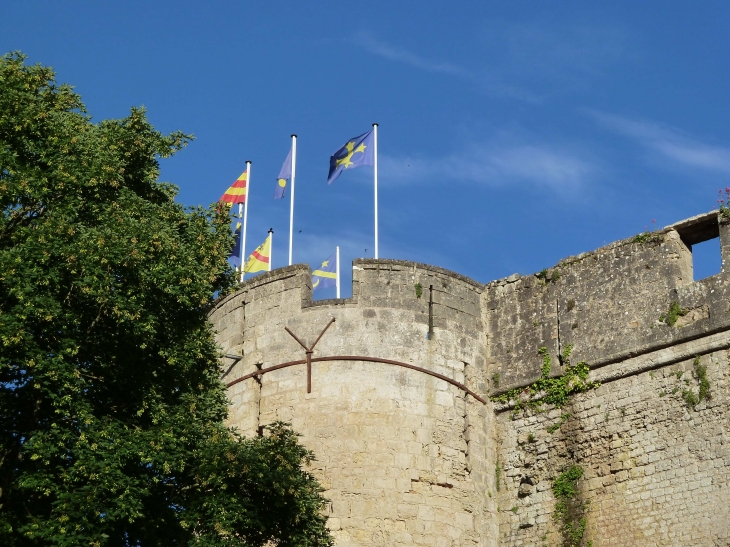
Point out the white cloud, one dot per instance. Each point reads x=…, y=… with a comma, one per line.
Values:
x=561, y=169
x=489, y=82
x=667, y=142
x=573, y=52
x=527, y=62
x=395, y=53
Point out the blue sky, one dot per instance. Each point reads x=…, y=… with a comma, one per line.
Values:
x=512, y=134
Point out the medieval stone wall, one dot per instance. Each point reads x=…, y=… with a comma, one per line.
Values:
x=655, y=472
x=403, y=456
x=408, y=458
x=654, y=469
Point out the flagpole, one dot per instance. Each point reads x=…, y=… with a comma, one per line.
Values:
x=245, y=217
x=375, y=175
x=271, y=247
x=291, y=207
x=240, y=249
x=338, y=271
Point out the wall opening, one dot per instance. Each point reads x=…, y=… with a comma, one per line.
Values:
x=706, y=259
x=701, y=235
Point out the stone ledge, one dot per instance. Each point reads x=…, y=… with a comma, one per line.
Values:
x=657, y=358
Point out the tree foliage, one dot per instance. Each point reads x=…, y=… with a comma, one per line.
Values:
x=111, y=409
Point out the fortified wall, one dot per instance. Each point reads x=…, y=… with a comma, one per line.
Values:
x=415, y=393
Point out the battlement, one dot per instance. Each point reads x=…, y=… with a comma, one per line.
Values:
x=608, y=303
x=393, y=393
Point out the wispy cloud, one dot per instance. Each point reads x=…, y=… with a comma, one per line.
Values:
x=568, y=53
x=396, y=53
x=527, y=62
x=557, y=168
x=668, y=142
x=490, y=82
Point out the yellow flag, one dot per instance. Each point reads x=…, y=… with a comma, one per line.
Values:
x=259, y=261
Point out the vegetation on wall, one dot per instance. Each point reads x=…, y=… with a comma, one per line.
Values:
x=548, y=275
x=548, y=390
x=723, y=202
x=674, y=312
x=569, y=509
x=564, y=418
x=647, y=237
x=700, y=374
x=498, y=475
x=419, y=290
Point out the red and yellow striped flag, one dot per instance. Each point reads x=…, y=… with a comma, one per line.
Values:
x=259, y=261
x=237, y=192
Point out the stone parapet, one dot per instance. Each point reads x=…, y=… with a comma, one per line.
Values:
x=607, y=304
x=418, y=455
x=403, y=455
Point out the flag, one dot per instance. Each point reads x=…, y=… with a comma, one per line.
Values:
x=235, y=255
x=326, y=275
x=237, y=192
x=284, y=176
x=259, y=259
x=356, y=152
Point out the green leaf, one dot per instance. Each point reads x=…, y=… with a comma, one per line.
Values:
x=111, y=408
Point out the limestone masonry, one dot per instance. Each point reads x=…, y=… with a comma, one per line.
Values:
x=412, y=447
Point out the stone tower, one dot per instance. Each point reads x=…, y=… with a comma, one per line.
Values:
x=394, y=397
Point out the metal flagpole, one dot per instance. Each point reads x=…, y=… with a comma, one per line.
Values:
x=375, y=173
x=291, y=207
x=240, y=219
x=338, y=272
x=245, y=217
x=271, y=246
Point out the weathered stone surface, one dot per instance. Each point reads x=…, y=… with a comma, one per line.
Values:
x=655, y=471
x=409, y=459
x=404, y=457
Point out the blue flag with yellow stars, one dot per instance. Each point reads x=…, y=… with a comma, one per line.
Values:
x=284, y=176
x=356, y=152
x=235, y=255
x=326, y=275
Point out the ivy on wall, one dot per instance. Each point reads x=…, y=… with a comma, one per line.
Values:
x=700, y=373
x=550, y=390
x=569, y=509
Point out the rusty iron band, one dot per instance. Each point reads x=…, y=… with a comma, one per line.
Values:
x=359, y=358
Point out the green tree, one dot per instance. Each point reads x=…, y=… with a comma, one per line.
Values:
x=111, y=408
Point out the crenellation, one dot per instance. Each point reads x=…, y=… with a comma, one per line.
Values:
x=407, y=458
